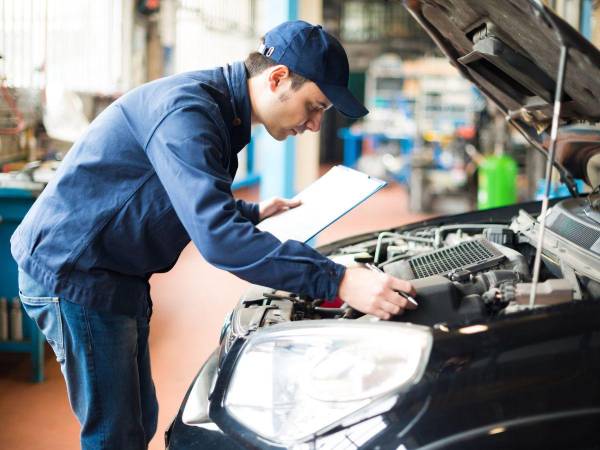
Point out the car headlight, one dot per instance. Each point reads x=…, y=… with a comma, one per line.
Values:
x=292, y=380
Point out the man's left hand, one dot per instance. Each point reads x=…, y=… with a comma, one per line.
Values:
x=272, y=206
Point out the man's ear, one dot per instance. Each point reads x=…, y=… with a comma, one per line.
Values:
x=277, y=74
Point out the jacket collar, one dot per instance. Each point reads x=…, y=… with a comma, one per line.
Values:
x=237, y=84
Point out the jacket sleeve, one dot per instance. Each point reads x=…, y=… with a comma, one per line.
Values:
x=188, y=152
x=248, y=210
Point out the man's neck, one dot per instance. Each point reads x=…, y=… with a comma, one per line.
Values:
x=253, y=91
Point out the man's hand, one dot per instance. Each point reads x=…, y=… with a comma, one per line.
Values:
x=374, y=293
x=272, y=206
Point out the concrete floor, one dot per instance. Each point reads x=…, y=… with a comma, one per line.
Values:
x=190, y=304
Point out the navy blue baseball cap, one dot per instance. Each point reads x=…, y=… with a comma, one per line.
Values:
x=310, y=51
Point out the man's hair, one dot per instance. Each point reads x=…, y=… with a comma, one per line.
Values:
x=256, y=63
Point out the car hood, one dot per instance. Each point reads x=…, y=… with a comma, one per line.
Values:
x=510, y=51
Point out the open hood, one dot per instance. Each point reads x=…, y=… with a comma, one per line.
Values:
x=510, y=50
x=511, y=53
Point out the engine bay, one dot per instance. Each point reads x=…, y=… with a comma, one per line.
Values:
x=462, y=272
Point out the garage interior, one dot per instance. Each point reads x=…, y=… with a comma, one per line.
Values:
x=440, y=146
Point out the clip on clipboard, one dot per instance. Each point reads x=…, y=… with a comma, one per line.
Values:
x=323, y=202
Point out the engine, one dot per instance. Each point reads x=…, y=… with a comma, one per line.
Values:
x=461, y=273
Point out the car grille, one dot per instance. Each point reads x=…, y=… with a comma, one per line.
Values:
x=470, y=255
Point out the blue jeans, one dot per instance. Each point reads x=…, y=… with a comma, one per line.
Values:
x=105, y=361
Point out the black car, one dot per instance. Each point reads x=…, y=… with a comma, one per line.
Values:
x=482, y=363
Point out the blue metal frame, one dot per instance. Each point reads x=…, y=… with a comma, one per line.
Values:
x=251, y=177
x=14, y=204
x=352, y=146
x=246, y=182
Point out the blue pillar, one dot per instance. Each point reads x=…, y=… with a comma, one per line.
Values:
x=585, y=20
x=277, y=158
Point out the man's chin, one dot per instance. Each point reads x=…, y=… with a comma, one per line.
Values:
x=278, y=135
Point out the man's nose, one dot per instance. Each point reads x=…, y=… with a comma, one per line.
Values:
x=314, y=123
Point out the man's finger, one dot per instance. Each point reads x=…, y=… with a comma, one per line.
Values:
x=398, y=298
x=395, y=298
x=408, y=304
x=403, y=285
x=382, y=314
x=391, y=307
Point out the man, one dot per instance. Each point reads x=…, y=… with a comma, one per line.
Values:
x=153, y=171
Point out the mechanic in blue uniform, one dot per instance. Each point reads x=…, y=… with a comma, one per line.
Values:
x=151, y=172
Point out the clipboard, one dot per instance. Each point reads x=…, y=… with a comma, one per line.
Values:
x=324, y=201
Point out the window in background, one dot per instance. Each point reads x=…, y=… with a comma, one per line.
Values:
x=376, y=20
x=22, y=42
x=82, y=45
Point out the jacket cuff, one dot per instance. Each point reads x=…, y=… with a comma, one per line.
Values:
x=329, y=282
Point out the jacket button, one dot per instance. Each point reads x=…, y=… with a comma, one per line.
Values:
x=237, y=122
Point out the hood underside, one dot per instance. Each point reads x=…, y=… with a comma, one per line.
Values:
x=511, y=52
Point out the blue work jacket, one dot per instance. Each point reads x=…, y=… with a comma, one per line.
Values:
x=151, y=172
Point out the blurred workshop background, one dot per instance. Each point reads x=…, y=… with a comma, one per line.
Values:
x=441, y=146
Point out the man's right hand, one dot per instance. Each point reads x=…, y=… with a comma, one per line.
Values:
x=374, y=293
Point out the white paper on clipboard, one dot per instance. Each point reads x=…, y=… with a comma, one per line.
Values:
x=323, y=202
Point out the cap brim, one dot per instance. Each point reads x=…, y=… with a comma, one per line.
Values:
x=343, y=100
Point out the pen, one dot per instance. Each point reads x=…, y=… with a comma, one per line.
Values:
x=374, y=268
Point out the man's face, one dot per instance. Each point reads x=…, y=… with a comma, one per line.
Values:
x=288, y=112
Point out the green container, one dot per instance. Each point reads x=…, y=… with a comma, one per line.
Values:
x=497, y=182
